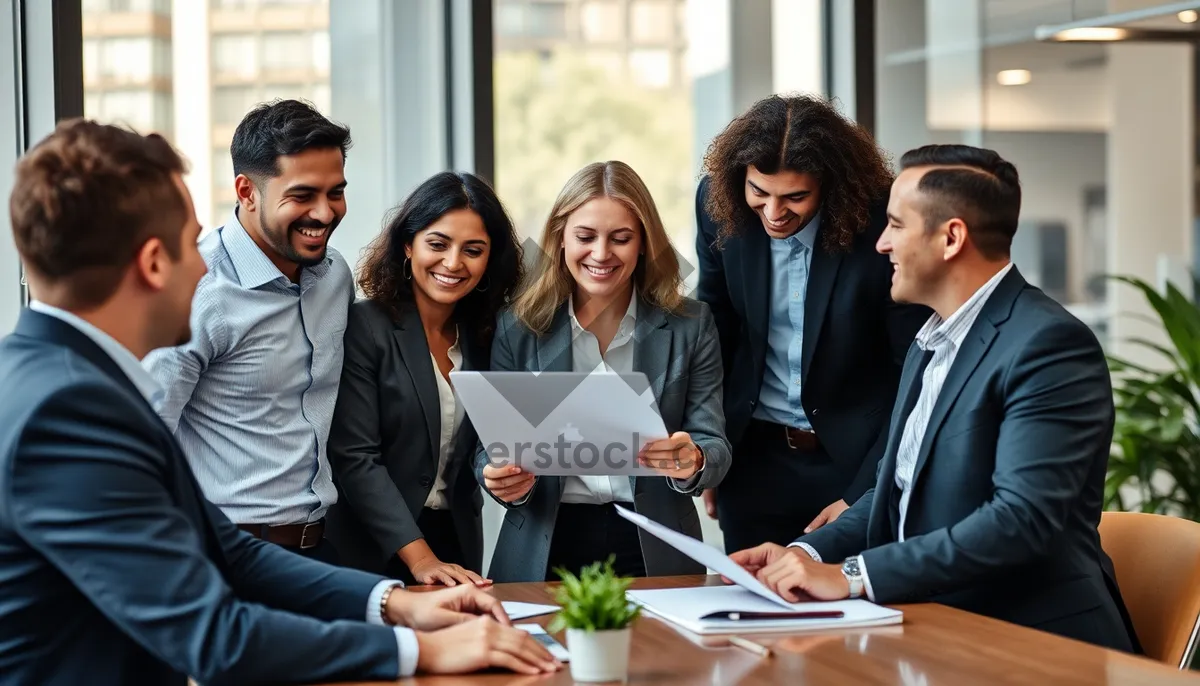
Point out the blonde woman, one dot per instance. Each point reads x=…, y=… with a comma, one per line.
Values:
x=607, y=298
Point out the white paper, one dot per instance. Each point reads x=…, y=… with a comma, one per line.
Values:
x=686, y=606
x=518, y=611
x=706, y=555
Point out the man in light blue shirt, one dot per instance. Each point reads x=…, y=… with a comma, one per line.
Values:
x=251, y=397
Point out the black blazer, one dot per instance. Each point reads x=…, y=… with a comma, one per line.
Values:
x=855, y=336
x=114, y=568
x=383, y=443
x=1009, y=481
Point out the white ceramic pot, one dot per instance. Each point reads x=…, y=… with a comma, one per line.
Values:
x=599, y=655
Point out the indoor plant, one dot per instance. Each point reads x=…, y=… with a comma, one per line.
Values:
x=598, y=620
x=1155, y=453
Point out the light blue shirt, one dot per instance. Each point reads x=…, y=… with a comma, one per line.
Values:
x=251, y=396
x=779, y=397
x=406, y=639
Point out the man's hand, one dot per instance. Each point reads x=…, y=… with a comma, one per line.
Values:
x=507, y=483
x=759, y=557
x=827, y=516
x=437, y=609
x=676, y=457
x=479, y=644
x=794, y=573
x=433, y=571
x=709, y=496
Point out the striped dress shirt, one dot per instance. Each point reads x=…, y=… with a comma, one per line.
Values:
x=943, y=338
x=250, y=398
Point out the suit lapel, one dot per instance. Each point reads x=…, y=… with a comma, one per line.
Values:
x=906, y=397
x=974, y=347
x=756, y=285
x=414, y=352
x=554, y=349
x=822, y=274
x=651, y=353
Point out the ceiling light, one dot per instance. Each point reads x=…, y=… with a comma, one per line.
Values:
x=1013, y=77
x=1188, y=16
x=1091, y=33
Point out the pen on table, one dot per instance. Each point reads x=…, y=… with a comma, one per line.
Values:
x=750, y=645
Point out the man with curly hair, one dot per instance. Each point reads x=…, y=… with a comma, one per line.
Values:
x=793, y=201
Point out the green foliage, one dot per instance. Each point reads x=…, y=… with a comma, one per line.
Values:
x=593, y=601
x=1157, y=414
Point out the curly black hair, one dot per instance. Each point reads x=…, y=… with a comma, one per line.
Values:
x=381, y=276
x=805, y=134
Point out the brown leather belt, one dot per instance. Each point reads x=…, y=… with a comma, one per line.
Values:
x=302, y=536
x=797, y=439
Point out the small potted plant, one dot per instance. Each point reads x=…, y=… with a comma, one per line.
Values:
x=598, y=620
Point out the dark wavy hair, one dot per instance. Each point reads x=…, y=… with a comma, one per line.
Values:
x=380, y=272
x=805, y=134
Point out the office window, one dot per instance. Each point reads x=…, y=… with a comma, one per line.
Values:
x=284, y=50
x=235, y=55
x=231, y=103
x=563, y=105
x=132, y=78
x=652, y=21
x=601, y=21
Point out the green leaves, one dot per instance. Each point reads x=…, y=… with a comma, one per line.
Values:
x=593, y=601
x=1156, y=438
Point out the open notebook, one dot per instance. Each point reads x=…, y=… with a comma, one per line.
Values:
x=724, y=609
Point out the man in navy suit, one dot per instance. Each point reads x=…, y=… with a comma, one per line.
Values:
x=113, y=566
x=990, y=490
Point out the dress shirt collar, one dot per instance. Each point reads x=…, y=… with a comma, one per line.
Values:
x=125, y=360
x=252, y=265
x=627, y=321
x=954, y=329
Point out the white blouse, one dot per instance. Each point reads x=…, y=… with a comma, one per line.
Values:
x=451, y=418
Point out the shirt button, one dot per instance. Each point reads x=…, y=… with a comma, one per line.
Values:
x=797, y=382
x=795, y=294
x=426, y=482
x=816, y=412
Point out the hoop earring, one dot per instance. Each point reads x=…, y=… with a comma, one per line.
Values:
x=406, y=269
x=483, y=289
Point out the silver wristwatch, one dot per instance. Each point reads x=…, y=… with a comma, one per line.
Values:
x=853, y=574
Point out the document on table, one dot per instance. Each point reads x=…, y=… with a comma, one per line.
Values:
x=688, y=606
x=517, y=611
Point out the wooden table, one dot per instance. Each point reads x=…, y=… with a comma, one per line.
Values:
x=935, y=645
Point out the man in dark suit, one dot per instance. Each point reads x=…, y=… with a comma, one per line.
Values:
x=990, y=491
x=789, y=212
x=113, y=566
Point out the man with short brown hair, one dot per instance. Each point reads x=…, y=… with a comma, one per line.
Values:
x=114, y=568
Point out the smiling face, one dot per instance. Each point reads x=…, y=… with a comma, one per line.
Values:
x=296, y=211
x=449, y=257
x=918, y=254
x=784, y=201
x=601, y=243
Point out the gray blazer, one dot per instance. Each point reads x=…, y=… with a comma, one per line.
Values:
x=681, y=357
x=383, y=443
x=1009, y=480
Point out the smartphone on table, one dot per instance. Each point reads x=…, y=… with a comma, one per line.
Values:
x=539, y=634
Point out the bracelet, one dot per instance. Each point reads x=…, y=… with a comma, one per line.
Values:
x=383, y=601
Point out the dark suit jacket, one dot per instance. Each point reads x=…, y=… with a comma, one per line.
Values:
x=114, y=569
x=383, y=444
x=679, y=355
x=1009, y=480
x=855, y=337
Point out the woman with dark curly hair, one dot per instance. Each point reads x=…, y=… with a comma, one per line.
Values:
x=791, y=206
x=400, y=445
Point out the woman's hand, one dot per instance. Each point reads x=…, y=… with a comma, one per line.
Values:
x=676, y=457
x=507, y=483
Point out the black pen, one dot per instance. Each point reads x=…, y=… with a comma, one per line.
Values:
x=740, y=616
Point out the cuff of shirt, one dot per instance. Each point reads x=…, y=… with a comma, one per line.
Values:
x=406, y=642
x=686, y=486
x=406, y=639
x=812, y=552
x=375, y=599
x=862, y=567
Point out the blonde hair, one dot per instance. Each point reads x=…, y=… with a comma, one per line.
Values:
x=656, y=278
